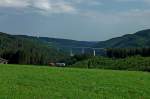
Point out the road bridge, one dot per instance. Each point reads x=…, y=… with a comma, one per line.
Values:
x=83, y=50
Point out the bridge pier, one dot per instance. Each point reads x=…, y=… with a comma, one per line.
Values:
x=71, y=53
x=83, y=51
x=94, y=52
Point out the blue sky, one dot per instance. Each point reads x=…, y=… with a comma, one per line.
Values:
x=90, y=20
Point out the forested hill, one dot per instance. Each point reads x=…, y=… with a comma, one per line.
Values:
x=26, y=50
x=138, y=39
x=66, y=42
x=23, y=49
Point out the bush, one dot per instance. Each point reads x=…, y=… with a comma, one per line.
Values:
x=137, y=63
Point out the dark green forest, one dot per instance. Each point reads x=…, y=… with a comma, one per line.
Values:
x=27, y=50
x=127, y=52
x=22, y=49
x=138, y=39
x=137, y=59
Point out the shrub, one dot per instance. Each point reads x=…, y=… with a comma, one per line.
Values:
x=130, y=63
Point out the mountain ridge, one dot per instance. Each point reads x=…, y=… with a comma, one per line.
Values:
x=138, y=39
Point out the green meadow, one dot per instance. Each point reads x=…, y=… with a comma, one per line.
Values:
x=33, y=82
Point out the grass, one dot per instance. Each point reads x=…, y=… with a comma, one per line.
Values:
x=30, y=82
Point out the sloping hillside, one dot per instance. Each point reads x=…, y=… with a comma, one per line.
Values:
x=139, y=39
x=23, y=49
x=66, y=42
x=26, y=50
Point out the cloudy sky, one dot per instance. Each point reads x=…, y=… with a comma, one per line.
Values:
x=90, y=20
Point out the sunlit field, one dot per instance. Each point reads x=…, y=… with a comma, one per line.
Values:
x=32, y=82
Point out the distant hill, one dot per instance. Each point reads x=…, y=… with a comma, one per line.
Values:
x=64, y=45
x=23, y=49
x=67, y=42
x=138, y=39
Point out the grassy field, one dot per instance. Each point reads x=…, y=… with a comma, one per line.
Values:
x=30, y=82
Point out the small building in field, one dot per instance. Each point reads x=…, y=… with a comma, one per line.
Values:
x=3, y=61
x=57, y=64
x=60, y=64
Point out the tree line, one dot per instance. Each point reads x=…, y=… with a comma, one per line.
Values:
x=127, y=52
x=20, y=50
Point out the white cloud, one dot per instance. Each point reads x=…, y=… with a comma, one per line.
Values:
x=89, y=2
x=42, y=4
x=62, y=7
x=57, y=6
x=51, y=6
x=125, y=17
x=14, y=3
x=47, y=6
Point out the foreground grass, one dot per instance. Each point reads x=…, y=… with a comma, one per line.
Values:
x=29, y=82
